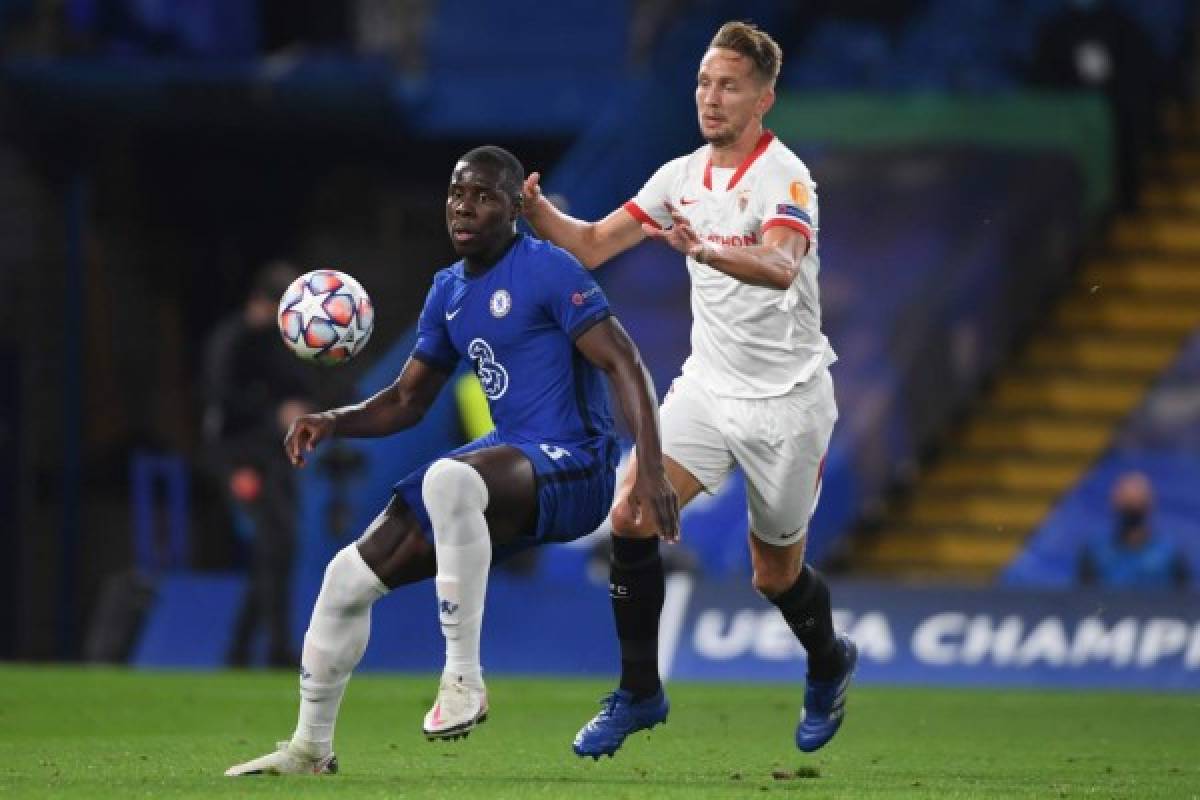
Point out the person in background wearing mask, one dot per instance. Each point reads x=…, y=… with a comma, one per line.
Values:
x=1133, y=557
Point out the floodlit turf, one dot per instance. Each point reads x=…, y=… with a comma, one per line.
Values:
x=105, y=733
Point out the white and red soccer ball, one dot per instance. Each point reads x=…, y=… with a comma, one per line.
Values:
x=325, y=316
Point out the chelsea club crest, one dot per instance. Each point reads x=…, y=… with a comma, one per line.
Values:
x=501, y=303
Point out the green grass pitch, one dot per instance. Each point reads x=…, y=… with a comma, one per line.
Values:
x=112, y=733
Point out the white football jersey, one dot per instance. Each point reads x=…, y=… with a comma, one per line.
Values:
x=747, y=341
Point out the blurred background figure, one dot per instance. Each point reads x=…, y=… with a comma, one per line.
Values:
x=393, y=29
x=254, y=388
x=1133, y=554
x=1094, y=44
x=648, y=21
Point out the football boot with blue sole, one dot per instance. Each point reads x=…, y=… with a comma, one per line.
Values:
x=620, y=716
x=825, y=702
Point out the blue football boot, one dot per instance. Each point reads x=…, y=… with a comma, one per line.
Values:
x=825, y=703
x=619, y=717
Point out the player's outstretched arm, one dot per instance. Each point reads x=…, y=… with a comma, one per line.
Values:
x=608, y=346
x=593, y=243
x=774, y=264
x=393, y=409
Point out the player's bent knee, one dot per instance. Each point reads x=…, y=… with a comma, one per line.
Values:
x=452, y=488
x=349, y=583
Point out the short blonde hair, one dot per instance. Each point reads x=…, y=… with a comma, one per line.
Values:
x=757, y=45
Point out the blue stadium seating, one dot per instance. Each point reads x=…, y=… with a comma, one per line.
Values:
x=209, y=29
x=954, y=45
x=967, y=45
x=1161, y=439
x=840, y=55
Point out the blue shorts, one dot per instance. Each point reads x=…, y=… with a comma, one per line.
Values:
x=575, y=484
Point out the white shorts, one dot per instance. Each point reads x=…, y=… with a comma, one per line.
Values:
x=779, y=442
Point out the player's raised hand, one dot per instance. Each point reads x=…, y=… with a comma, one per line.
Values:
x=652, y=493
x=531, y=192
x=306, y=432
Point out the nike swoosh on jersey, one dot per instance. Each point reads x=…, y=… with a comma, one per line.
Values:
x=452, y=314
x=685, y=201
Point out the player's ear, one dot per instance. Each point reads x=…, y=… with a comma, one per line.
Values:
x=767, y=100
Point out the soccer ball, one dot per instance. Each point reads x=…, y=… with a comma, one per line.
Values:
x=325, y=316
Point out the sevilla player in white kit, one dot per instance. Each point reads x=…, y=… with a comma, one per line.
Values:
x=755, y=391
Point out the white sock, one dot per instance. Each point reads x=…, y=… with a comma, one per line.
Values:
x=455, y=496
x=336, y=639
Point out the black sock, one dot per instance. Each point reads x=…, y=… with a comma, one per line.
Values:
x=805, y=607
x=637, y=586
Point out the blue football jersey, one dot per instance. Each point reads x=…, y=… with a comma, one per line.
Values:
x=517, y=324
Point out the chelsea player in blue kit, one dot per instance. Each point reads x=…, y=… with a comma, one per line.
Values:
x=539, y=333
